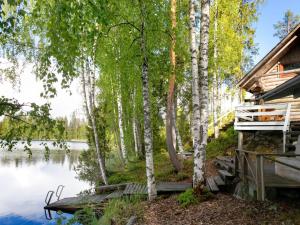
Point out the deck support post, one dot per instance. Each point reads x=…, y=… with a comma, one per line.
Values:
x=240, y=140
x=260, y=183
x=239, y=156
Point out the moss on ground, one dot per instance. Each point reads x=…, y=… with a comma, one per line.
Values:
x=223, y=145
x=135, y=171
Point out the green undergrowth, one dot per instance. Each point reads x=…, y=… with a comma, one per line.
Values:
x=118, y=211
x=192, y=196
x=221, y=146
x=85, y=216
x=135, y=171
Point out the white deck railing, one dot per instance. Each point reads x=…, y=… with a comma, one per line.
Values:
x=263, y=117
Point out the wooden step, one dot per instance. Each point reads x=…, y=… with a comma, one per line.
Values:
x=212, y=185
x=225, y=175
x=291, y=146
x=225, y=165
x=226, y=158
x=222, y=165
x=219, y=181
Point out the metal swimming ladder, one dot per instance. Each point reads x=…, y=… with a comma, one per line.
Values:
x=50, y=194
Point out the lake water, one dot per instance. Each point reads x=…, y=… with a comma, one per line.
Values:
x=25, y=182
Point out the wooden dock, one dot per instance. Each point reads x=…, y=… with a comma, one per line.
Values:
x=109, y=192
x=73, y=204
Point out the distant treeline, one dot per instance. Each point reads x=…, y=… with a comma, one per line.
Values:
x=74, y=128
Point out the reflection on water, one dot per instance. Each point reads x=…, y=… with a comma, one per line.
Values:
x=25, y=182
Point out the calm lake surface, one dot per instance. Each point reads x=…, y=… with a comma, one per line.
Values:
x=25, y=182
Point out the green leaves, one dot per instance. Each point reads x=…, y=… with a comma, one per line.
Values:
x=27, y=121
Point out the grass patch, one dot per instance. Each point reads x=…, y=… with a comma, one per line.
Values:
x=187, y=198
x=135, y=171
x=220, y=146
x=194, y=196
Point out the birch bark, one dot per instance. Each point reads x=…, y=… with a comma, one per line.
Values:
x=121, y=130
x=135, y=130
x=195, y=95
x=148, y=139
x=203, y=73
x=88, y=95
x=215, y=76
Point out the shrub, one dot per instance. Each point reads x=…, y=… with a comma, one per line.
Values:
x=118, y=211
x=194, y=196
x=187, y=198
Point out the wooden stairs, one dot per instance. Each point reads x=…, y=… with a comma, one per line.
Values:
x=223, y=127
x=292, y=136
x=225, y=175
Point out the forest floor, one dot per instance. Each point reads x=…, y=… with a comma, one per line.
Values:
x=223, y=209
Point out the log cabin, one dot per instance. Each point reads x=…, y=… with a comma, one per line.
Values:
x=275, y=107
x=278, y=70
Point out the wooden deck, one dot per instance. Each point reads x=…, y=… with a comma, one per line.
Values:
x=273, y=180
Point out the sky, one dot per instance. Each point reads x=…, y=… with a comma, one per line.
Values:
x=29, y=89
x=270, y=12
x=64, y=104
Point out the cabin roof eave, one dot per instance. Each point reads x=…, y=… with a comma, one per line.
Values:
x=244, y=80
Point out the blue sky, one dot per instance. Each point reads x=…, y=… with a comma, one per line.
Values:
x=270, y=12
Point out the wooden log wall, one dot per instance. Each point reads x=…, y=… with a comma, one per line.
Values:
x=272, y=81
x=295, y=110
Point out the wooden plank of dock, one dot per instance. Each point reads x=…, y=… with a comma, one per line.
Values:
x=76, y=203
x=135, y=189
x=161, y=187
x=73, y=204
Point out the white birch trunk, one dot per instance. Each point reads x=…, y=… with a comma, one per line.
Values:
x=203, y=71
x=135, y=130
x=148, y=139
x=121, y=130
x=135, y=137
x=195, y=96
x=148, y=135
x=89, y=109
x=178, y=137
x=215, y=76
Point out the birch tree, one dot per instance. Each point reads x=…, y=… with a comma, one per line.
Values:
x=215, y=85
x=195, y=97
x=146, y=103
x=121, y=129
x=199, y=155
x=88, y=88
x=170, y=117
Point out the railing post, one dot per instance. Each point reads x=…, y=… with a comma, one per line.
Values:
x=260, y=182
x=284, y=141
